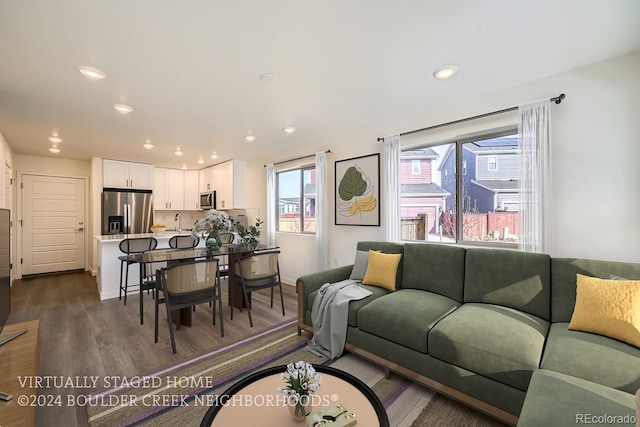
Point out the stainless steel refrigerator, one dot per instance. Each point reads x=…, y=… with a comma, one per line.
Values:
x=127, y=212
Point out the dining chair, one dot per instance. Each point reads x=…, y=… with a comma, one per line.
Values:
x=186, y=284
x=183, y=242
x=256, y=271
x=134, y=245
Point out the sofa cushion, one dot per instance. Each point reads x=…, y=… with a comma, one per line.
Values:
x=405, y=316
x=519, y=280
x=608, y=307
x=360, y=265
x=387, y=248
x=382, y=270
x=579, y=353
x=354, y=306
x=498, y=342
x=434, y=268
x=563, y=281
x=560, y=400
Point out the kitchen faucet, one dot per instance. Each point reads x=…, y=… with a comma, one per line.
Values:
x=179, y=219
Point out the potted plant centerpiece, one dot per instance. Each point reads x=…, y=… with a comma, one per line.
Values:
x=211, y=226
x=251, y=235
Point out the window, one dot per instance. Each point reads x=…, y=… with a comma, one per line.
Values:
x=493, y=163
x=296, y=198
x=415, y=167
x=488, y=198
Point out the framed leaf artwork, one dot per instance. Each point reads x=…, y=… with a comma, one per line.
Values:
x=358, y=191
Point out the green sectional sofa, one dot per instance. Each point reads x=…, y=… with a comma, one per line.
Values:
x=476, y=323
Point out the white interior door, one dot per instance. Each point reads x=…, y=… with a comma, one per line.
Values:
x=52, y=224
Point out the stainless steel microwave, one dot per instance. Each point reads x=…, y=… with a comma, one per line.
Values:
x=208, y=200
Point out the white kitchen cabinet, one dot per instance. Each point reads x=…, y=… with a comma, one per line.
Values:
x=168, y=192
x=229, y=184
x=205, y=179
x=191, y=190
x=128, y=175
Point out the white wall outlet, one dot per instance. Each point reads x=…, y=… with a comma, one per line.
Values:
x=336, y=261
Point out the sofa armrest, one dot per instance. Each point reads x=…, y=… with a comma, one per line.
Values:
x=312, y=282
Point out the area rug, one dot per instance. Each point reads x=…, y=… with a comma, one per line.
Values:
x=181, y=393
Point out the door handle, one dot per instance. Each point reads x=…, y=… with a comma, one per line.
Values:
x=80, y=229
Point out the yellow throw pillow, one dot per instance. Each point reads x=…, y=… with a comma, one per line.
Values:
x=608, y=307
x=382, y=270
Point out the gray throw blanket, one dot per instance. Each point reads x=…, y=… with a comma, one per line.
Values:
x=329, y=316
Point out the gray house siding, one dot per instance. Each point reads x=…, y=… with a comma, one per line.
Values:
x=507, y=166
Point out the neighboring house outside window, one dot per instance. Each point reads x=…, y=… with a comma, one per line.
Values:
x=490, y=199
x=421, y=199
x=296, y=198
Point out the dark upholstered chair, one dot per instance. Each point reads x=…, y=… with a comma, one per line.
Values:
x=259, y=270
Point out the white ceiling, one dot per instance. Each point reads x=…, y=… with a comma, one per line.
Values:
x=191, y=68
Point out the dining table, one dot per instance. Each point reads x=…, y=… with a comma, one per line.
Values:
x=153, y=260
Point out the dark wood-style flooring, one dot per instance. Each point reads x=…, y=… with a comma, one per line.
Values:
x=83, y=336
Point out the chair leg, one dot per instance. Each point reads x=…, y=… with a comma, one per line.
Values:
x=120, y=292
x=219, y=292
x=281, y=298
x=141, y=306
x=171, y=333
x=272, y=297
x=246, y=298
x=126, y=284
x=156, y=323
x=230, y=287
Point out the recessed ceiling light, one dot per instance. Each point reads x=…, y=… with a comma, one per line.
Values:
x=178, y=152
x=54, y=150
x=148, y=145
x=122, y=109
x=92, y=73
x=184, y=167
x=55, y=139
x=214, y=156
x=289, y=130
x=200, y=160
x=268, y=77
x=445, y=72
x=250, y=138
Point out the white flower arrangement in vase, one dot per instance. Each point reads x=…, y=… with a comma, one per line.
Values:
x=211, y=226
x=302, y=382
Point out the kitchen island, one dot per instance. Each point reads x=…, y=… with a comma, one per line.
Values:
x=108, y=251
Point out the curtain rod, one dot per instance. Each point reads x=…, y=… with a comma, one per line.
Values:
x=557, y=99
x=297, y=158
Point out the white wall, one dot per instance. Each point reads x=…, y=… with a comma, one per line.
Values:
x=596, y=152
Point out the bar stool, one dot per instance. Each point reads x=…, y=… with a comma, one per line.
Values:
x=132, y=246
x=183, y=242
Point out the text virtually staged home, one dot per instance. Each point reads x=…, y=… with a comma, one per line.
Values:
x=320, y=214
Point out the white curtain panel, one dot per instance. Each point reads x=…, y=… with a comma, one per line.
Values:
x=322, y=241
x=391, y=157
x=271, y=205
x=535, y=176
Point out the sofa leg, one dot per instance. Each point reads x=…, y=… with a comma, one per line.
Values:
x=387, y=373
x=299, y=331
